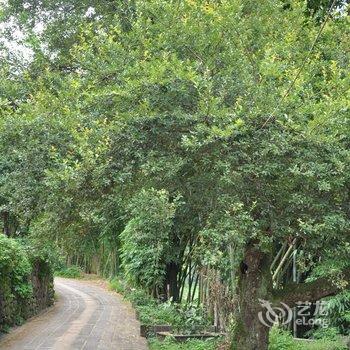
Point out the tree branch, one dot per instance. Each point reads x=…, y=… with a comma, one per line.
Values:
x=310, y=291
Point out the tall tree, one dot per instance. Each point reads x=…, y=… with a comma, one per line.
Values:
x=236, y=125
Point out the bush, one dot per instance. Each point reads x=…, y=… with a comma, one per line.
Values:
x=192, y=319
x=184, y=318
x=25, y=282
x=146, y=238
x=139, y=297
x=169, y=344
x=338, y=313
x=159, y=314
x=283, y=340
x=70, y=272
x=327, y=333
x=320, y=345
x=15, y=268
x=117, y=285
x=151, y=312
x=280, y=340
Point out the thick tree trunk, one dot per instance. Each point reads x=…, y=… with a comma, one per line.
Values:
x=320, y=288
x=254, y=283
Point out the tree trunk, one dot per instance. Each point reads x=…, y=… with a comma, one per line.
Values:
x=6, y=220
x=171, y=286
x=254, y=283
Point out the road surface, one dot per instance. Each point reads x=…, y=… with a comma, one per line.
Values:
x=85, y=316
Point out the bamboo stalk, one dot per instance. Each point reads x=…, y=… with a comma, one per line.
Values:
x=278, y=255
x=290, y=248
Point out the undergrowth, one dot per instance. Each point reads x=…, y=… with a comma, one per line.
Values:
x=283, y=340
x=190, y=318
x=70, y=272
x=169, y=344
x=184, y=318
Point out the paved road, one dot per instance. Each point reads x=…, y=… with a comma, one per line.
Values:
x=85, y=316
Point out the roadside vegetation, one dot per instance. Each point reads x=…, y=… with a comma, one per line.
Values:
x=69, y=272
x=26, y=283
x=188, y=345
x=188, y=319
x=198, y=149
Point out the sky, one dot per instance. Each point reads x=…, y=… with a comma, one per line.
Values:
x=16, y=46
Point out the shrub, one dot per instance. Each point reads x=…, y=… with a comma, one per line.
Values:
x=70, y=272
x=169, y=344
x=327, y=333
x=283, y=340
x=191, y=319
x=146, y=238
x=15, y=268
x=117, y=285
x=184, y=318
x=320, y=345
x=159, y=314
x=338, y=312
x=139, y=297
x=25, y=282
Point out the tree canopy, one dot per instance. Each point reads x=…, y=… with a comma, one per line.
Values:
x=166, y=137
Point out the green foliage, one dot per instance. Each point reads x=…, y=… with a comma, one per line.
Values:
x=169, y=344
x=21, y=271
x=338, y=312
x=70, y=272
x=185, y=318
x=117, y=285
x=15, y=268
x=336, y=315
x=191, y=319
x=159, y=314
x=151, y=311
x=280, y=340
x=325, y=333
x=151, y=133
x=146, y=239
x=283, y=340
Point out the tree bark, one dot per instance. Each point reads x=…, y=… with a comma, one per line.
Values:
x=171, y=286
x=254, y=283
x=6, y=221
x=291, y=293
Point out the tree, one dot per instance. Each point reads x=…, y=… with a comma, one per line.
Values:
x=216, y=104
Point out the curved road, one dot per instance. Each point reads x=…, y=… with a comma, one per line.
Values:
x=85, y=316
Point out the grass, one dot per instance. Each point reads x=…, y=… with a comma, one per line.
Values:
x=150, y=311
x=321, y=345
x=169, y=344
x=279, y=340
x=70, y=272
x=283, y=340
